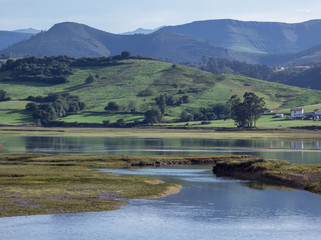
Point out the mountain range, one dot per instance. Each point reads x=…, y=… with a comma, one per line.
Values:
x=8, y=38
x=268, y=43
x=254, y=37
x=78, y=40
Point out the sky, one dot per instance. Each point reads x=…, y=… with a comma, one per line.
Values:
x=118, y=16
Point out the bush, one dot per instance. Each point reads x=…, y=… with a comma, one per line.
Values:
x=106, y=123
x=112, y=107
x=31, y=107
x=153, y=116
x=146, y=93
x=313, y=187
x=90, y=79
x=120, y=123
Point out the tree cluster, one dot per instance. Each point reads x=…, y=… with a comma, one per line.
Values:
x=217, y=112
x=55, y=70
x=221, y=65
x=52, y=70
x=53, y=106
x=245, y=113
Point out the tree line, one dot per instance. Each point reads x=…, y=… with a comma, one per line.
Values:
x=307, y=76
x=55, y=69
x=244, y=112
x=222, y=65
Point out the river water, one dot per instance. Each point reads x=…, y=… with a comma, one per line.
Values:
x=294, y=151
x=208, y=207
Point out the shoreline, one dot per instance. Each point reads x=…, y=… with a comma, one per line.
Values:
x=273, y=172
x=155, y=132
x=35, y=183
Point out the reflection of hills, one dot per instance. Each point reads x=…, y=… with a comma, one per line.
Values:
x=134, y=146
x=297, y=144
x=269, y=149
x=54, y=145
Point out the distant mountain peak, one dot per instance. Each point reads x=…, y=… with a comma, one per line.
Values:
x=142, y=31
x=28, y=30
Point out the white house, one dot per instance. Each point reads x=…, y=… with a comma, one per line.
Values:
x=297, y=113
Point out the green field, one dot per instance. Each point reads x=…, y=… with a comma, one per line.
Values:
x=12, y=113
x=122, y=83
x=266, y=121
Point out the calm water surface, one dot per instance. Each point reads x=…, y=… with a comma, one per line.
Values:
x=294, y=151
x=207, y=208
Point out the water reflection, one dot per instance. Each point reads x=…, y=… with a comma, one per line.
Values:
x=295, y=151
x=54, y=145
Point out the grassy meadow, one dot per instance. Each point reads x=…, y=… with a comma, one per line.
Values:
x=265, y=121
x=12, y=113
x=122, y=83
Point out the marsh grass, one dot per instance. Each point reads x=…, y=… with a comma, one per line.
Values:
x=273, y=172
x=50, y=184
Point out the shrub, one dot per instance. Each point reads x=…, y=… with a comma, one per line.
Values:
x=4, y=96
x=146, y=93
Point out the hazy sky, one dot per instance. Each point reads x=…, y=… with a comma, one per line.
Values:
x=119, y=16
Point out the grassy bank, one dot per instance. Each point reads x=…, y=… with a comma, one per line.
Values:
x=275, y=172
x=50, y=184
x=159, y=132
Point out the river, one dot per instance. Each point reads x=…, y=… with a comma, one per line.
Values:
x=208, y=207
x=295, y=151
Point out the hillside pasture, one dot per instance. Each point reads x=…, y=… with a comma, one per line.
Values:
x=123, y=82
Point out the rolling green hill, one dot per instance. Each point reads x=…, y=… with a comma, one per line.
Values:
x=124, y=81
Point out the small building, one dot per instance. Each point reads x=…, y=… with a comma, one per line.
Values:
x=297, y=113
